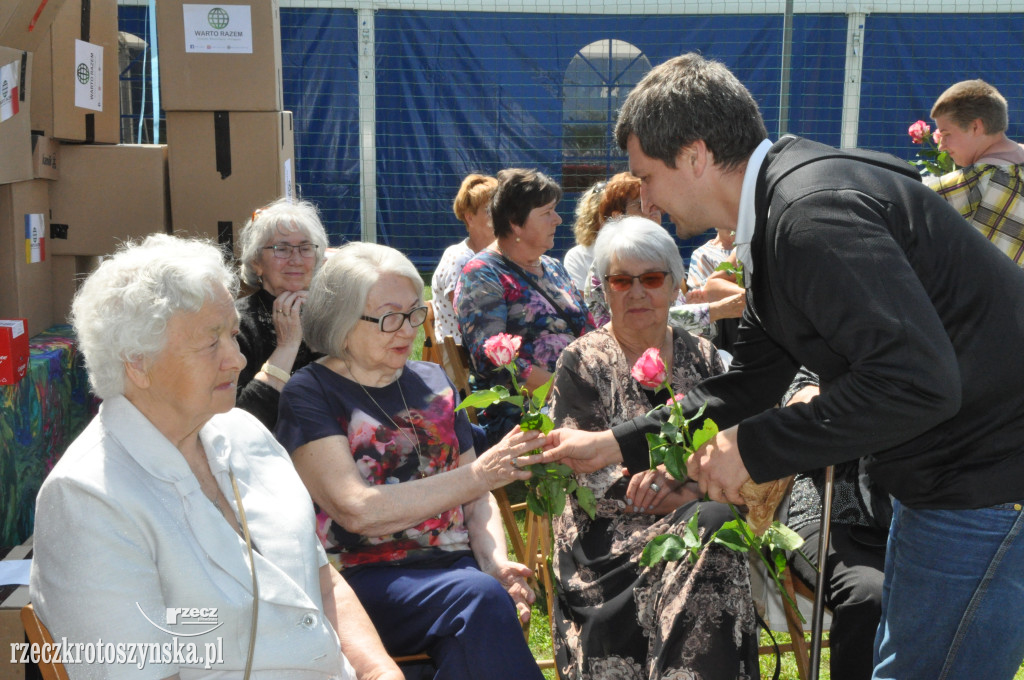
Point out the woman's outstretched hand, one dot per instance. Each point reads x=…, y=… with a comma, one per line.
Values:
x=581, y=450
x=499, y=465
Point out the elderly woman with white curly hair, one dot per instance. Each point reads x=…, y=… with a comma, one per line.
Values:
x=281, y=247
x=175, y=522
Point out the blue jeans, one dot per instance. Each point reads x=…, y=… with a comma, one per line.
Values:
x=953, y=596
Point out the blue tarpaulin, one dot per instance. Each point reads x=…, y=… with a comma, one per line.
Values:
x=462, y=92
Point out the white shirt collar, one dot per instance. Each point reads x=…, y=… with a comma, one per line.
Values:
x=745, y=217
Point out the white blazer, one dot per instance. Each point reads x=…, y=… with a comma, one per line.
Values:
x=123, y=533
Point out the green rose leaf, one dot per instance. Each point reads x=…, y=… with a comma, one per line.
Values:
x=693, y=530
x=482, y=398
x=531, y=421
x=665, y=547
x=675, y=462
x=732, y=536
x=540, y=395
x=585, y=497
x=706, y=433
x=779, y=557
x=783, y=537
x=537, y=421
x=558, y=469
x=535, y=505
x=557, y=499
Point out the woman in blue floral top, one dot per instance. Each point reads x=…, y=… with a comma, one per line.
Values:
x=513, y=287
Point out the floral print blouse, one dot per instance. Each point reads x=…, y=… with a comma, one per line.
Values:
x=403, y=431
x=491, y=298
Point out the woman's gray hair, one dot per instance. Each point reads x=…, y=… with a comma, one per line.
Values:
x=338, y=292
x=280, y=217
x=637, y=238
x=120, y=313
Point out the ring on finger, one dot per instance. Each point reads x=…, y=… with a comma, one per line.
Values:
x=655, y=488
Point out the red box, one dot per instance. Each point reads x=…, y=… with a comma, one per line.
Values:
x=13, y=350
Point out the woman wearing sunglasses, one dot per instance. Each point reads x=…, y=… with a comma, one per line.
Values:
x=404, y=504
x=281, y=246
x=514, y=287
x=723, y=300
x=613, y=618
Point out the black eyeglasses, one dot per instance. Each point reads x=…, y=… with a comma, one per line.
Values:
x=623, y=282
x=392, y=321
x=283, y=251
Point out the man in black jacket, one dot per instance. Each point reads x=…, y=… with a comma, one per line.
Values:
x=912, y=320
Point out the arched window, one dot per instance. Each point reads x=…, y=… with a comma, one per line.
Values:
x=596, y=84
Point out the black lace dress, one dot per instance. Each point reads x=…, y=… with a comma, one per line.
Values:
x=616, y=620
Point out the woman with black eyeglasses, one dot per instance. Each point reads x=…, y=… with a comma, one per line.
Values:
x=404, y=503
x=281, y=247
x=613, y=618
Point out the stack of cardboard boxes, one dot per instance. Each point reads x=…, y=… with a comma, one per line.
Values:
x=231, y=144
x=70, y=191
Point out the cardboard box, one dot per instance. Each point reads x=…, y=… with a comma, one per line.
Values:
x=107, y=195
x=68, y=273
x=25, y=283
x=75, y=93
x=224, y=165
x=13, y=350
x=15, y=116
x=24, y=23
x=45, y=151
x=222, y=57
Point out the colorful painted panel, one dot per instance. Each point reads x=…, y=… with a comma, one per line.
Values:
x=39, y=417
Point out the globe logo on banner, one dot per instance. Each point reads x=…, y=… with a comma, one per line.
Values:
x=218, y=18
x=83, y=74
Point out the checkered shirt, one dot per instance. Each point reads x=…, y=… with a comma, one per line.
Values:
x=990, y=197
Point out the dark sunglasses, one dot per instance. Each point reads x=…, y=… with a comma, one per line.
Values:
x=392, y=321
x=623, y=282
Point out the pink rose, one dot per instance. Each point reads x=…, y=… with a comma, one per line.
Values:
x=919, y=132
x=675, y=399
x=649, y=369
x=937, y=137
x=502, y=349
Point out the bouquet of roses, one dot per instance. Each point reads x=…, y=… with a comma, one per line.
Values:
x=930, y=161
x=672, y=447
x=549, y=483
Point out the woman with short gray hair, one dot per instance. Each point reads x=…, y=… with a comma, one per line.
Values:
x=173, y=500
x=406, y=511
x=638, y=238
x=281, y=247
x=613, y=618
